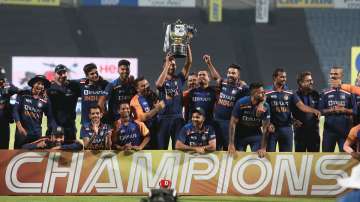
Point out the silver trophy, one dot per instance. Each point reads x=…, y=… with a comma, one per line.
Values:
x=177, y=36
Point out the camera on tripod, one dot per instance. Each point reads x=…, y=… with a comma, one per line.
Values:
x=164, y=194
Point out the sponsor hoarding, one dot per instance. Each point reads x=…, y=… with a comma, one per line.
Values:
x=24, y=68
x=262, y=11
x=108, y=2
x=167, y=3
x=351, y=4
x=305, y=4
x=134, y=173
x=32, y=2
x=215, y=10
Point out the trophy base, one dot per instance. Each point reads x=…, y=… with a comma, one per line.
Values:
x=178, y=50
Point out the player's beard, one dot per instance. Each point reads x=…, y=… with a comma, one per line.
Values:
x=62, y=79
x=197, y=123
x=203, y=82
x=96, y=120
x=231, y=80
x=38, y=91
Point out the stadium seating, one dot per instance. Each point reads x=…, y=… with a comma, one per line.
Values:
x=333, y=32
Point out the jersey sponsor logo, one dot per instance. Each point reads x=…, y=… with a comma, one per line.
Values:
x=201, y=99
x=273, y=96
x=331, y=96
x=124, y=137
x=286, y=97
x=93, y=92
x=332, y=103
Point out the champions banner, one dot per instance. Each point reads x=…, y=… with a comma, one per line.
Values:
x=119, y=173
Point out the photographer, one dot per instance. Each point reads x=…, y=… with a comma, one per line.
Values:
x=146, y=106
x=6, y=91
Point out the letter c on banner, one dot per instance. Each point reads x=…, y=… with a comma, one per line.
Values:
x=239, y=171
x=11, y=178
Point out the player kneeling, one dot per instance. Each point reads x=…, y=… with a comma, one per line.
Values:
x=129, y=134
x=196, y=136
x=55, y=142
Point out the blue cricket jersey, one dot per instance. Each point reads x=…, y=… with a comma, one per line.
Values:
x=330, y=98
x=204, y=98
x=90, y=94
x=190, y=136
x=98, y=140
x=228, y=96
x=281, y=104
x=118, y=92
x=29, y=111
x=171, y=93
x=131, y=133
x=249, y=124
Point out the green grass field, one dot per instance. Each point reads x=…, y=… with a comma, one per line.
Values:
x=137, y=198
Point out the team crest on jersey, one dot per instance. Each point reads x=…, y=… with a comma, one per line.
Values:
x=234, y=91
x=286, y=97
x=342, y=97
x=203, y=137
x=40, y=104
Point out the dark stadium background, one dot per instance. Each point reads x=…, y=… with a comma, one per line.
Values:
x=296, y=39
